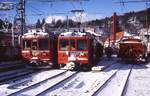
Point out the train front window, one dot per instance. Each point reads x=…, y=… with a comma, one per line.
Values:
x=64, y=45
x=34, y=45
x=72, y=45
x=43, y=44
x=26, y=44
x=81, y=44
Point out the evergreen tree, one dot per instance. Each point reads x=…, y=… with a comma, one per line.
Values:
x=43, y=22
x=58, y=23
x=1, y=24
x=38, y=24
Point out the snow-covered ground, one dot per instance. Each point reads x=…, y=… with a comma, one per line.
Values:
x=139, y=81
x=116, y=85
x=84, y=84
x=109, y=82
x=12, y=87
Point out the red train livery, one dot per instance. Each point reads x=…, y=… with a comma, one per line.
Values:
x=131, y=48
x=39, y=49
x=78, y=49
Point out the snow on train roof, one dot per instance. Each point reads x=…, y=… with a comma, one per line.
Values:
x=35, y=32
x=79, y=33
x=131, y=39
x=72, y=34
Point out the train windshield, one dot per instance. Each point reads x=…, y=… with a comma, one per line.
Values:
x=81, y=44
x=72, y=45
x=43, y=44
x=34, y=45
x=64, y=44
x=26, y=44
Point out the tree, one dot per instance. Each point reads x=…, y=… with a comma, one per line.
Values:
x=1, y=24
x=43, y=22
x=58, y=23
x=38, y=24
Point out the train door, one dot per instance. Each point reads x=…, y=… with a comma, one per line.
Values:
x=34, y=48
x=26, y=48
x=82, y=48
x=63, y=51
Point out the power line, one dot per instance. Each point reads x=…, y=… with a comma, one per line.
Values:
x=132, y=1
x=56, y=0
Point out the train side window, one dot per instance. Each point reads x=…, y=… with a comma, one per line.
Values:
x=26, y=44
x=43, y=44
x=64, y=45
x=72, y=45
x=81, y=45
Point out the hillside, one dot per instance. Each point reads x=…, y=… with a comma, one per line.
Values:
x=131, y=22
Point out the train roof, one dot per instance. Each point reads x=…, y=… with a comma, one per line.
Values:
x=36, y=32
x=79, y=34
x=72, y=34
x=131, y=39
x=33, y=33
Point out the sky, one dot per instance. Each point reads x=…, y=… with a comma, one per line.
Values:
x=93, y=9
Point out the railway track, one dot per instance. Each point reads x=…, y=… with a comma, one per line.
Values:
x=113, y=79
x=30, y=87
x=83, y=82
x=86, y=87
x=14, y=74
x=117, y=84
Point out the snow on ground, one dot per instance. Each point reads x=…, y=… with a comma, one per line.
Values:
x=116, y=84
x=9, y=88
x=83, y=83
x=45, y=85
x=139, y=81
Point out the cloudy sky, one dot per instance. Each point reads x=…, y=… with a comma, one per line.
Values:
x=93, y=9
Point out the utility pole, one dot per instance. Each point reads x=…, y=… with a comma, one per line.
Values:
x=22, y=3
x=67, y=23
x=21, y=11
x=114, y=28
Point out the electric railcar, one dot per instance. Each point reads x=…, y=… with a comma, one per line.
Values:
x=78, y=50
x=39, y=49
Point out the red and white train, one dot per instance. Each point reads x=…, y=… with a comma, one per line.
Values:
x=78, y=50
x=39, y=48
x=131, y=49
x=71, y=49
